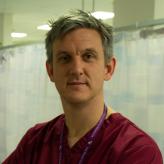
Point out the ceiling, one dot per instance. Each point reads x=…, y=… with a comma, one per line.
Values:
x=28, y=14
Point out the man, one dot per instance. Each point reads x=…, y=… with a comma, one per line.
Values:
x=79, y=59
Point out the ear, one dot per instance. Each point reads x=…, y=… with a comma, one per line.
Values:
x=109, y=68
x=49, y=68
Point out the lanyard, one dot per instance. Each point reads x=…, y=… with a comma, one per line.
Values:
x=90, y=140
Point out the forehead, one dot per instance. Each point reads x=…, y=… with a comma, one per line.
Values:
x=80, y=36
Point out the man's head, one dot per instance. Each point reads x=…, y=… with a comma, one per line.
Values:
x=76, y=45
x=79, y=19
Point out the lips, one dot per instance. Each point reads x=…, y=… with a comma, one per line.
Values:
x=77, y=83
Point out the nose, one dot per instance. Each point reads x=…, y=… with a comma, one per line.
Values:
x=76, y=67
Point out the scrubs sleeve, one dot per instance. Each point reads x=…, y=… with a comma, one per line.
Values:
x=146, y=154
x=20, y=154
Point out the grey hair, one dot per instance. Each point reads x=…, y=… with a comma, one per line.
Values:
x=79, y=19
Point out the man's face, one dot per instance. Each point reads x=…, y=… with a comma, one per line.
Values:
x=78, y=67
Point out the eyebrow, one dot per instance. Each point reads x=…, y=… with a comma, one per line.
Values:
x=61, y=52
x=82, y=51
x=89, y=50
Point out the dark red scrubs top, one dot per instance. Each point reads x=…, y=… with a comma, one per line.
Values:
x=118, y=142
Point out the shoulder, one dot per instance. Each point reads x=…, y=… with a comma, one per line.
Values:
x=34, y=139
x=131, y=131
x=42, y=131
x=127, y=130
x=131, y=143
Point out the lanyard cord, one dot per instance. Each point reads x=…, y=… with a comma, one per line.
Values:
x=90, y=140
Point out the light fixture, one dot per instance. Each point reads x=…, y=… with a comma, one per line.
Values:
x=18, y=35
x=44, y=27
x=103, y=15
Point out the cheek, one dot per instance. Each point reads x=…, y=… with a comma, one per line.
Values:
x=59, y=76
x=98, y=74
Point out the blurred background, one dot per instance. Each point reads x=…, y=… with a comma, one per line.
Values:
x=28, y=97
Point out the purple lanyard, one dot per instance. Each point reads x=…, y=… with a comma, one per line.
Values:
x=90, y=140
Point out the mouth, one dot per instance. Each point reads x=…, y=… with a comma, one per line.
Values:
x=76, y=83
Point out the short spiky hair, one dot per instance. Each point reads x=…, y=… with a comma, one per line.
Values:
x=79, y=19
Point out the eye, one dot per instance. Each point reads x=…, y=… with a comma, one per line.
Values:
x=64, y=58
x=89, y=56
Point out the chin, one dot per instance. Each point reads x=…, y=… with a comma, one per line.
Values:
x=77, y=99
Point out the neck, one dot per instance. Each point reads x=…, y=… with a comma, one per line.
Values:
x=80, y=118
